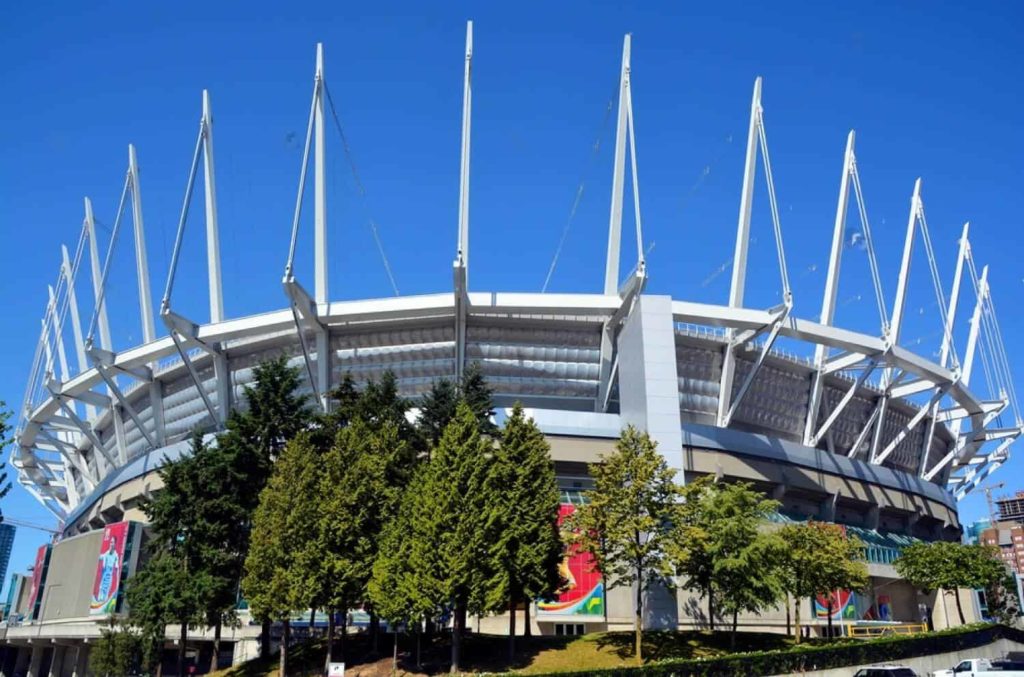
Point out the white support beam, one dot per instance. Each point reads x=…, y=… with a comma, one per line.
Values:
x=86, y=430
x=460, y=267
x=97, y=276
x=196, y=381
x=212, y=233
x=141, y=261
x=125, y=405
x=609, y=338
x=71, y=453
x=947, y=341
x=320, y=185
x=863, y=434
x=847, y=398
x=611, y=268
x=899, y=305
x=957, y=413
x=910, y=425
x=749, y=380
x=306, y=314
x=739, y=266
x=846, y=361
x=828, y=304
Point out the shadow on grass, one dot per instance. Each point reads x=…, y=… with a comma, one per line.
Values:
x=692, y=644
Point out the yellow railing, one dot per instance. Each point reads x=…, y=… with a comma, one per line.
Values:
x=867, y=631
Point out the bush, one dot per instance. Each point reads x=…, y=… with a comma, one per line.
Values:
x=115, y=653
x=820, y=656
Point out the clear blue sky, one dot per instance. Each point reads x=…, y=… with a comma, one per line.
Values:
x=932, y=92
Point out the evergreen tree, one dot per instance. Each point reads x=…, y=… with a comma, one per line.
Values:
x=437, y=409
x=447, y=547
x=817, y=559
x=115, y=654
x=160, y=593
x=626, y=523
x=358, y=492
x=175, y=514
x=525, y=546
x=277, y=577
x=256, y=435
x=720, y=549
x=438, y=406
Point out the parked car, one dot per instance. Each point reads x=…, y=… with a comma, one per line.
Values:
x=975, y=667
x=885, y=671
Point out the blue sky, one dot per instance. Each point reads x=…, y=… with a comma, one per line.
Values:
x=932, y=91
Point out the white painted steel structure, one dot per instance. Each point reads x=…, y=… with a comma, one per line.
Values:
x=551, y=351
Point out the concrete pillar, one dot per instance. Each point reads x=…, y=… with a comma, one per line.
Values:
x=35, y=662
x=649, y=400
x=81, y=661
x=57, y=662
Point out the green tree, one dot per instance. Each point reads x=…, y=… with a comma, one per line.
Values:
x=721, y=549
x=818, y=559
x=358, y=492
x=255, y=436
x=161, y=592
x=438, y=406
x=1002, y=601
x=447, y=521
x=115, y=653
x=627, y=521
x=175, y=514
x=948, y=566
x=277, y=580
x=525, y=545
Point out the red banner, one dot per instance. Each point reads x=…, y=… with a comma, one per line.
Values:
x=37, y=579
x=583, y=594
x=108, y=570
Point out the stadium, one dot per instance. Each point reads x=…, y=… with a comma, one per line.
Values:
x=845, y=427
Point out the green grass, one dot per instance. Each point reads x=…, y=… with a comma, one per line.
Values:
x=488, y=653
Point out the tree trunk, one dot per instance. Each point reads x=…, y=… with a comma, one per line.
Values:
x=789, y=620
x=830, y=615
x=456, y=640
x=638, y=622
x=265, y=638
x=511, y=630
x=285, y=632
x=732, y=635
x=182, y=641
x=419, y=635
x=312, y=622
x=959, y=607
x=526, y=620
x=216, y=646
x=711, y=609
x=394, y=653
x=796, y=617
x=374, y=633
x=330, y=640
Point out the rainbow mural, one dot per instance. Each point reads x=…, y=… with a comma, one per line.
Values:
x=583, y=593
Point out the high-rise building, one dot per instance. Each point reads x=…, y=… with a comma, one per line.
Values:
x=1009, y=538
x=1011, y=508
x=6, y=543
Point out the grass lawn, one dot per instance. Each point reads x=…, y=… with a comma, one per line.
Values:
x=487, y=653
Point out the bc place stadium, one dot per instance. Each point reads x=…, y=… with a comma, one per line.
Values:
x=849, y=427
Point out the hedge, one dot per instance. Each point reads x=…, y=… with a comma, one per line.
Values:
x=818, y=657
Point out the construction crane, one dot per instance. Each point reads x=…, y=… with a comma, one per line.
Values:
x=988, y=497
x=27, y=525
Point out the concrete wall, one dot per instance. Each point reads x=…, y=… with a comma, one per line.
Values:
x=68, y=588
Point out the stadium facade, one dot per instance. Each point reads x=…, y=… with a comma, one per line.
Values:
x=860, y=430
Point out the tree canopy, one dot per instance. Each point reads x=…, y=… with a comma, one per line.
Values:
x=626, y=522
x=947, y=565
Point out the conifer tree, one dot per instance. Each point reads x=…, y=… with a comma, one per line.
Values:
x=437, y=409
x=626, y=522
x=525, y=547
x=277, y=578
x=447, y=548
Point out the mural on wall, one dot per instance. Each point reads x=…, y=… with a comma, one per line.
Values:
x=583, y=593
x=107, y=583
x=34, y=595
x=844, y=606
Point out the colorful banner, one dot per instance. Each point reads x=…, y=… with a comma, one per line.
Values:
x=37, y=579
x=844, y=605
x=108, y=570
x=583, y=593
